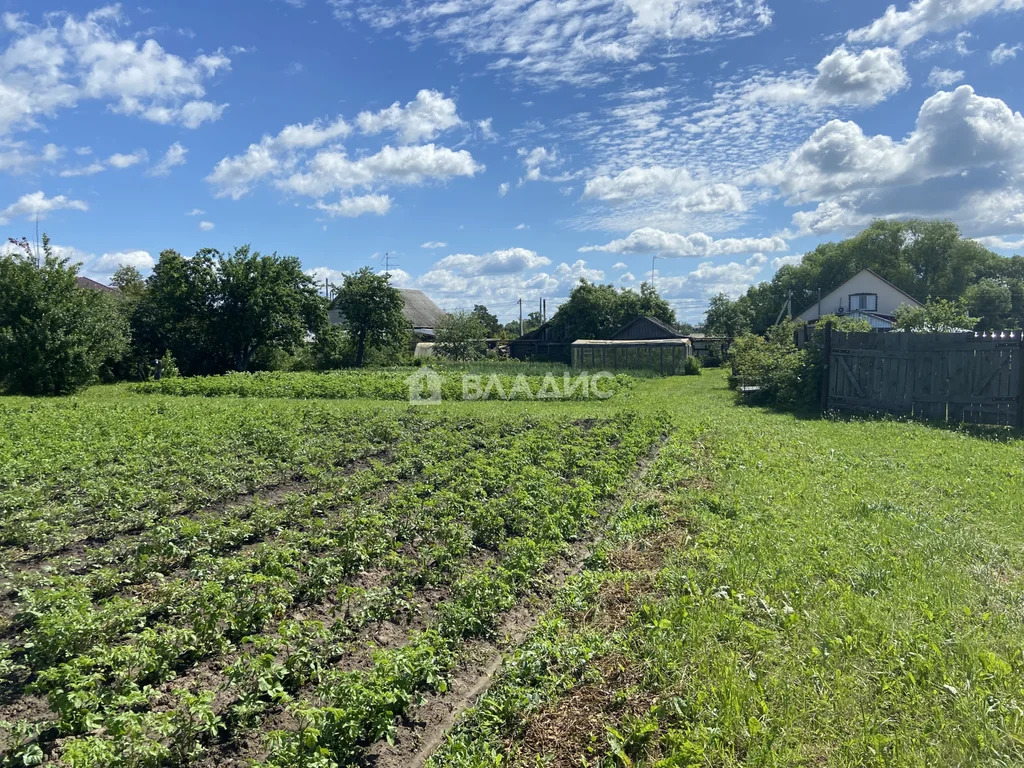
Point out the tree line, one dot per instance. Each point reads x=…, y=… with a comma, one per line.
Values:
x=209, y=313
x=930, y=260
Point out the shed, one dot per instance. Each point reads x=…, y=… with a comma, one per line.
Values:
x=644, y=327
x=543, y=344
x=91, y=285
x=664, y=356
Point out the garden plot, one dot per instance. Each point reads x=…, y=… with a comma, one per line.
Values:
x=291, y=627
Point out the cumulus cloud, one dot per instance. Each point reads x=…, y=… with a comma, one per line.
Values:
x=927, y=17
x=173, y=157
x=206, y=226
x=961, y=161
x=432, y=244
x=15, y=157
x=109, y=262
x=68, y=59
x=1003, y=53
x=38, y=204
x=503, y=189
x=119, y=160
x=430, y=114
x=504, y=262
x=843, y=77
x=670, y=244
x=332, y=170
x=639, y=182
x=350, y=207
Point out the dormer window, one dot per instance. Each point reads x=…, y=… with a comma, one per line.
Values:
x=867, y=302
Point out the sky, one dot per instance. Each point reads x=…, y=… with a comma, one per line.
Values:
x=499, y=150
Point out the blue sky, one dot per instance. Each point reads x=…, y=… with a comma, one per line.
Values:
x=504, y=149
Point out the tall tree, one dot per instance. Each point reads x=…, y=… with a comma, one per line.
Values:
x=726, y=318
x=597, y=311
x=55, y=337
x=178, y=313
x=490, y=322
x=991, y=301
x=372, y=310
x=264, y=302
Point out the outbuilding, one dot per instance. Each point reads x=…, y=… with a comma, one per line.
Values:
x=666, y=357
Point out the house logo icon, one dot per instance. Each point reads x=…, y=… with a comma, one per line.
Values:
x=424, y=387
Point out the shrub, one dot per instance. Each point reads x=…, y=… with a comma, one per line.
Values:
x=692, y=367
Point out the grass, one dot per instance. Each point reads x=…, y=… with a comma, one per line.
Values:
x=835, y=593
x=776, y=590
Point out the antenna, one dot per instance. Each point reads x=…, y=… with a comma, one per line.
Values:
x=38, y=255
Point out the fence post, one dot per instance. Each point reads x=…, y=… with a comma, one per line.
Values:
x=1020, y=379
x=826, y=354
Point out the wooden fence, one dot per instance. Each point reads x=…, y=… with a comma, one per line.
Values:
x=957, y=377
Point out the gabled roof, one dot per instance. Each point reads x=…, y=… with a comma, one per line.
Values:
x=417, y=308
x=92, y=285
x=667, y=329
x=852, y=277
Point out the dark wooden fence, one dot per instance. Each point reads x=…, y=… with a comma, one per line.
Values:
x=957, y=377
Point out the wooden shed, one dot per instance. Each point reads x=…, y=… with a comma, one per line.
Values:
x=644, y=327
x=663, y=356
x=543, y=344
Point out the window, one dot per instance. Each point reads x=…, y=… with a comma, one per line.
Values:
x=866, y=301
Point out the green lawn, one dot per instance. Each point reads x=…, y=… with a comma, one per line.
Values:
x=793, y=592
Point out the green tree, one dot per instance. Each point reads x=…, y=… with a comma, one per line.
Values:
x=372, y=310
x=264, y=303
x=597, y=311
x=490, y=323
x=54, y=336
x=178, y=312
x=991, y=301
x=726, y=318
x=460, y=336
x=531, y=322
x=936, y=316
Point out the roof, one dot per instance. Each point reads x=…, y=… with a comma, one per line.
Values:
x=853, y=277
x=679, y=342
x=92, y=285
x=419, y=311
x=667, y=329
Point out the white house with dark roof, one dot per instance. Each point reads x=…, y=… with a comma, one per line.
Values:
x=866, y=295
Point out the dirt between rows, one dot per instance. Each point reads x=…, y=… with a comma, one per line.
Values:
x=426, y=727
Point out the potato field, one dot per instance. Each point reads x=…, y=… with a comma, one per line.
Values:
x=210, y=573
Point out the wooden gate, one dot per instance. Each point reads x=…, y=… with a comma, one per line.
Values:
x=959, y=377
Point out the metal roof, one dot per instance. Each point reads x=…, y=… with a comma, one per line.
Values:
x=632, y=342
x=419, y=310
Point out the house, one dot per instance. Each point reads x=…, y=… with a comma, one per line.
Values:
x=644, y=327
x=422, y=315
x=92, y=285
x=866, y=295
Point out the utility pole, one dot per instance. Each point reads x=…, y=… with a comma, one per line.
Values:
x=520, y=316
x=655, y=256
x=540, y=310
x=544, y=314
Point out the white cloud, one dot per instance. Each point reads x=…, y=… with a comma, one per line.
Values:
x=620, y=265
x=196, y=212
x=522, y=226
x=350, y=207
x=961, y=161
x=332, y=170
x=927, y=17
x=670, y=244
x=1002, y=244
x=206, y=226
x=572, y=41
x=711, y=198
x=784, y=261
x=640, y=182
x=173, y=157
x=1003, y=53
x=843, y=77
x=503, y=189
x=432, y=244
x=38, y=204
x=109, y=262
x=127, y=160
x=486, y=129
x=84, y=170
x=16, y=158
x=48, y=68
x=943, y=78
x=534, y=158
x=508, y=261
x=423, y=119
